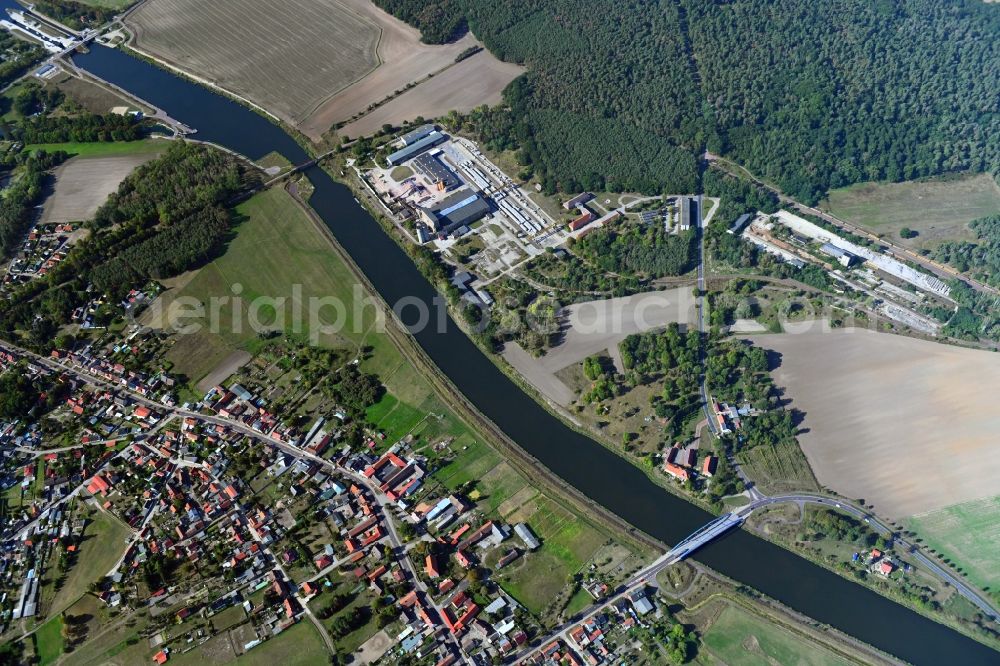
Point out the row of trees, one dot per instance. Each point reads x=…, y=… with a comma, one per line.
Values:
x=87, y=127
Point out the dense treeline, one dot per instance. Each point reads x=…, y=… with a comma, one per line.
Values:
x=811, y=95
x=189, y=242
x=77, y=15
x=440, y=21
x=21, y=196
x=166, y=217
x=645, y=250
x=85, y=128
x=817, y=95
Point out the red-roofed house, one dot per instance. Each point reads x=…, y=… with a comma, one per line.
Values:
x=430, y=567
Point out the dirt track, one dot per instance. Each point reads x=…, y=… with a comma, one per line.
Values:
x=908, y=425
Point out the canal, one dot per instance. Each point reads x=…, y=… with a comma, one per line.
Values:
x=593, y=470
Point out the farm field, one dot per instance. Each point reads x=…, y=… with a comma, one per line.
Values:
x=737, y=637
x=288, y=57
x=470, y=83
x=277, y=253
x=49, y=641
x=104, y=541
x=967, y=534
x=405, y=59
x=83, y=184
x=938, y=210
x=907, y=425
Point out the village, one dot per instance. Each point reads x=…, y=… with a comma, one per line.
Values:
x=222, y=510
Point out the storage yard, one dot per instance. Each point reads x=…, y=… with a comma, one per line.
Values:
x=895, y=290
x=288, y=57
x=907, y=425
x=452, y=191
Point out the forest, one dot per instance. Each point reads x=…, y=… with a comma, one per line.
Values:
x=639, y=250
x=810, y=95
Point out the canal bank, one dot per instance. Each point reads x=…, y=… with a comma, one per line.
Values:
x=581, y=462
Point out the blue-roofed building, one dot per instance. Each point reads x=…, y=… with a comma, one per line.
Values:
x=460, y=209
x=411, y=151
x=419, y=133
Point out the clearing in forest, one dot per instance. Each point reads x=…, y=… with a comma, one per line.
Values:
x=938, y=210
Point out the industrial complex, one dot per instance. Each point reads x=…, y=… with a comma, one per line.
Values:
x=446, y=192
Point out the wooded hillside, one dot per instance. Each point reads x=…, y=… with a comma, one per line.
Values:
x=811, y=95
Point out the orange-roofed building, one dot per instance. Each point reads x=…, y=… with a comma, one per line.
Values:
x=161, y=657
x=98, y=485
x=430, y=567
x=677, y=471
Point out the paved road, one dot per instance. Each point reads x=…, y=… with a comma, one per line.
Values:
x=901, y=543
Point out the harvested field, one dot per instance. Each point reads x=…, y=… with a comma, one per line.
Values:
x=907, y=425
x=224, y=370
x=405, y=60
x=82, y=184
x=475, y=81
x=288, y=56
x=938, y=210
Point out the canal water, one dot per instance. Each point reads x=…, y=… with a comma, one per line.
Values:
x=596, y=472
